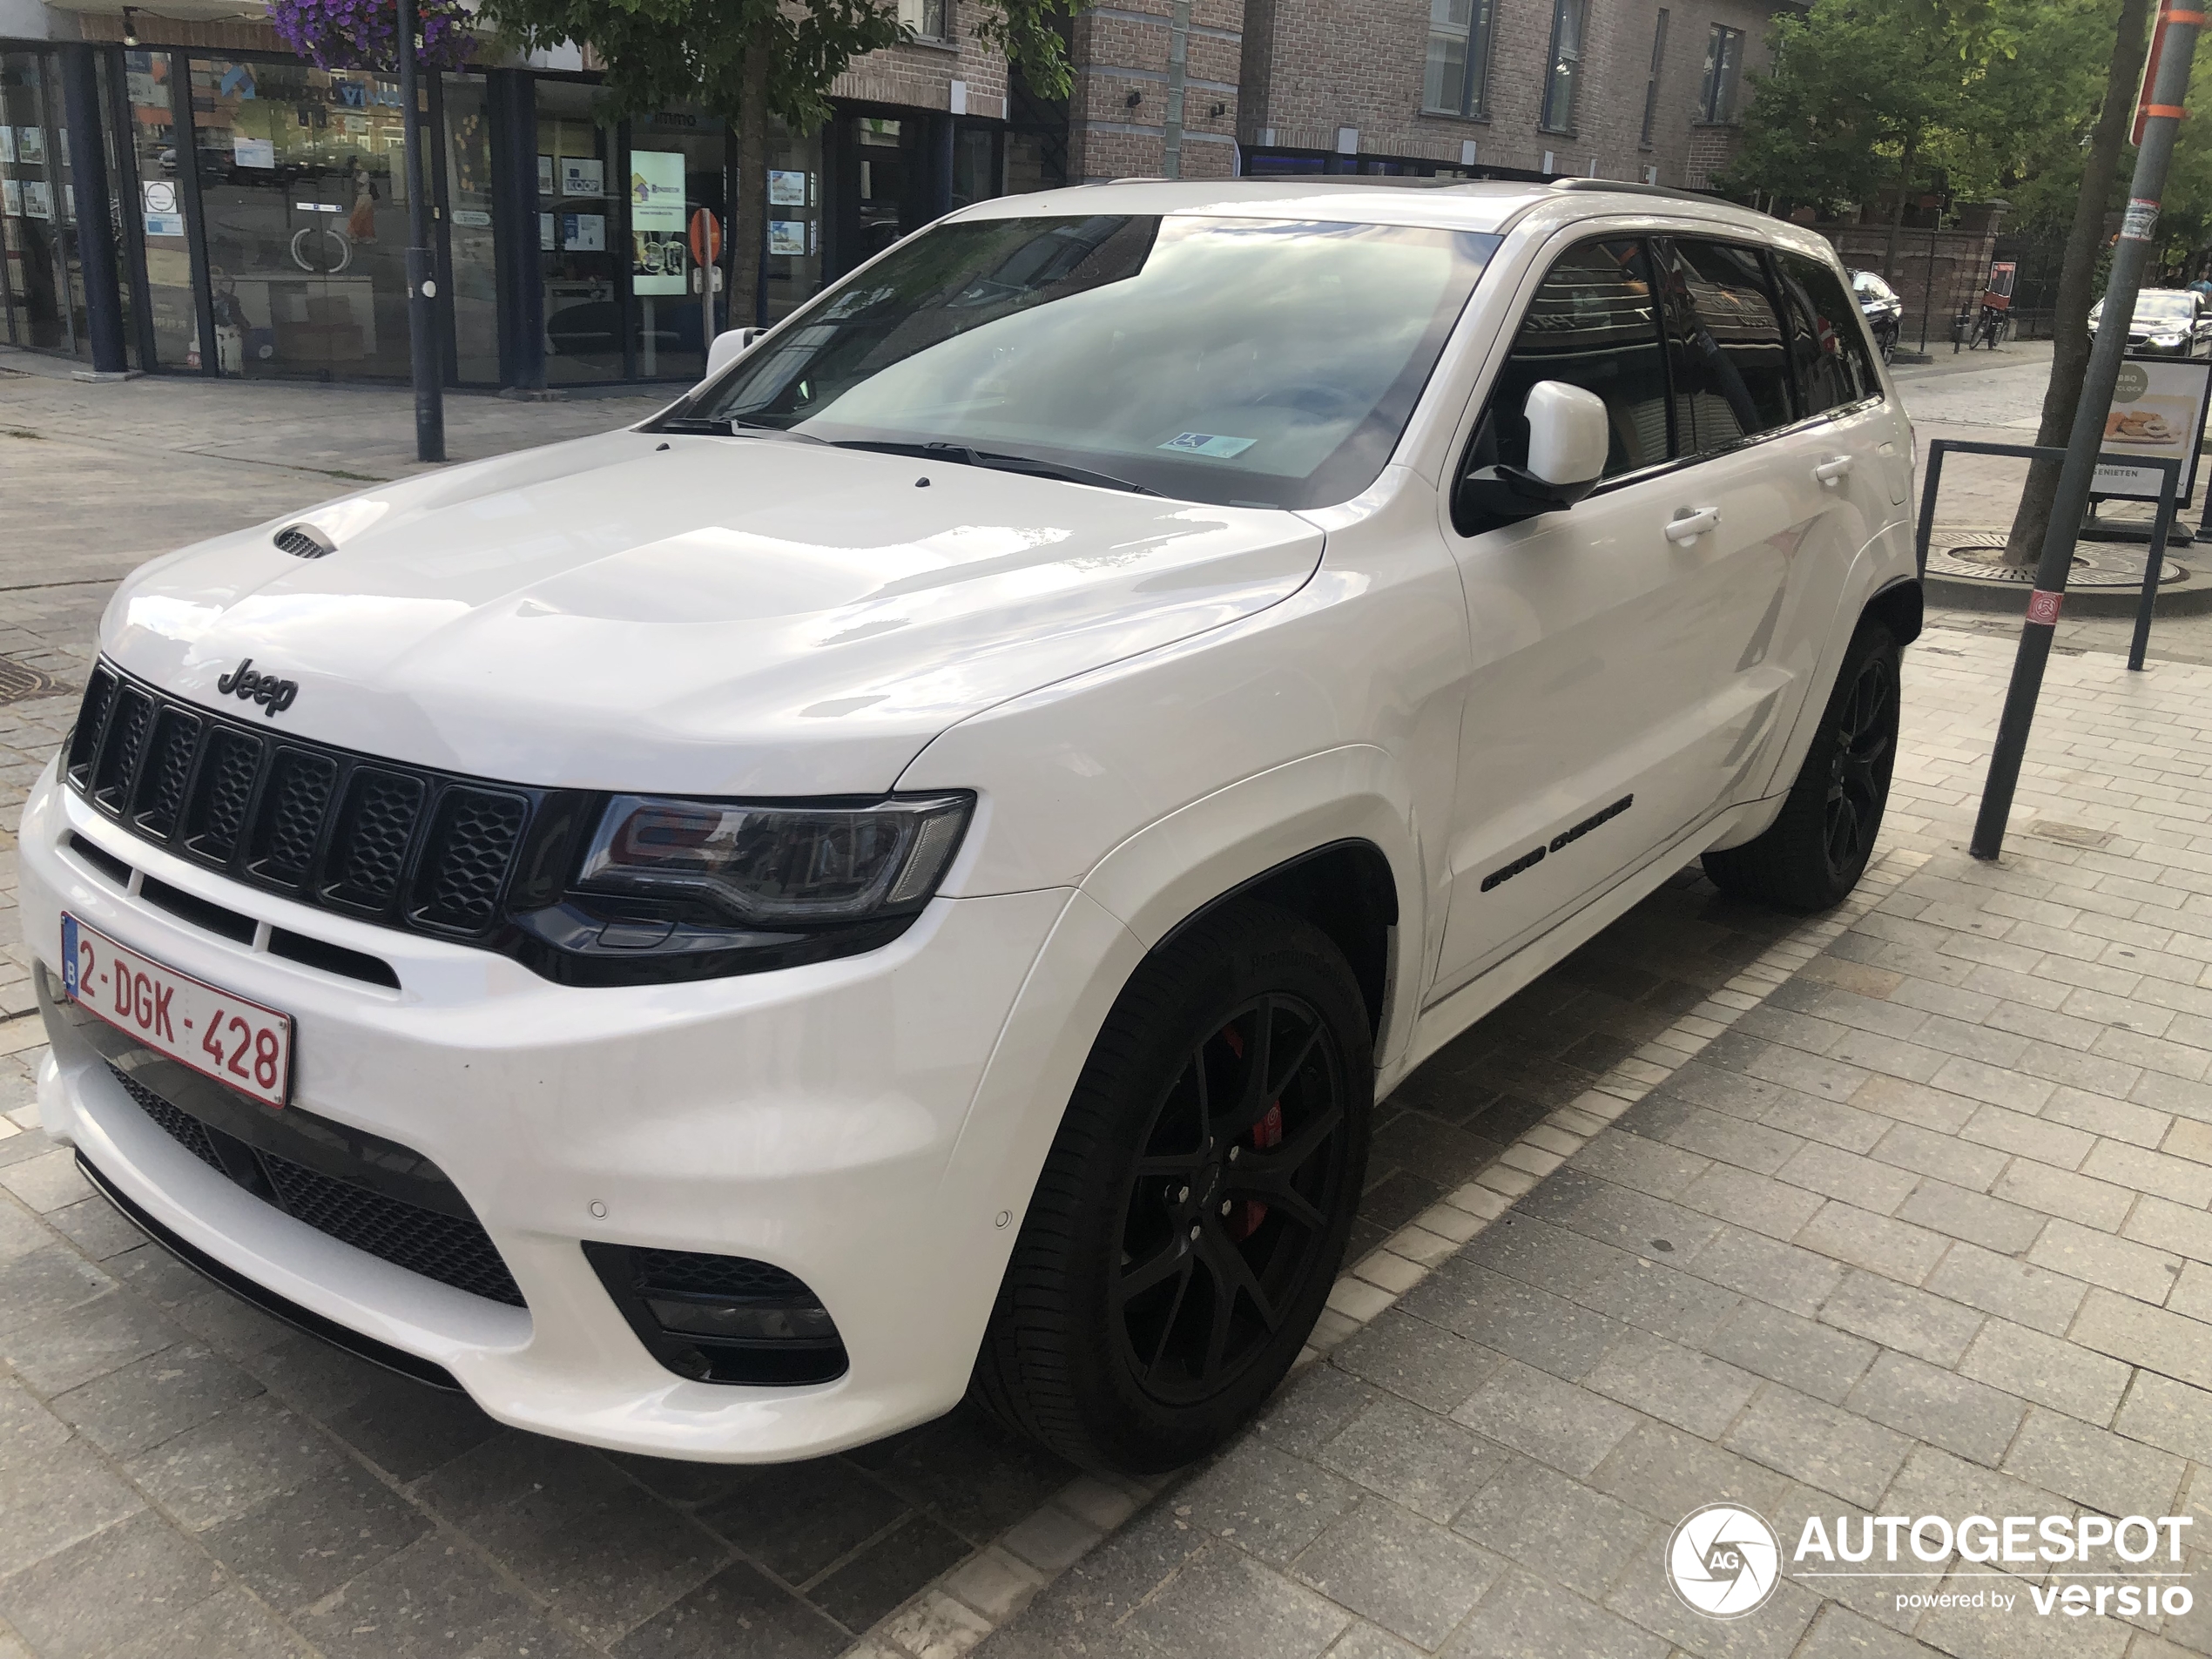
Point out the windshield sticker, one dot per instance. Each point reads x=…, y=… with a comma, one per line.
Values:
x=1205, y=443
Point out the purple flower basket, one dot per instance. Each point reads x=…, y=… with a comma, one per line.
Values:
x=363, y=34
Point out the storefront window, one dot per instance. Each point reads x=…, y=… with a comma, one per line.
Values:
x=160, y=207
x=578, y=217
x=33, y=204
x=794, y=258
x=975, y=165
x=678, y=164
x=304, y=199
x=473, y=281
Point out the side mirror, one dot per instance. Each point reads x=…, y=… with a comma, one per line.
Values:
x=728, y=347
x=1568, y=437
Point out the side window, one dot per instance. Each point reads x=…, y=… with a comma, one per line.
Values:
x=1827, y=335
x=1731, y=370
x=1592, y=324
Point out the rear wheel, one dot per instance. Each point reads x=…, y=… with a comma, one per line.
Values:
x=1193, y=1211
x=1813, y=854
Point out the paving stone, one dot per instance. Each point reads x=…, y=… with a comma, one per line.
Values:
x=234, y=1461
x=2092, y=1465
x=1936, y=1482
x=54, y=1498
x=2046, y=1369
x=2145, y=1336
x=1818, y=1443
x=2181, y=1180
x=47, y=1181
x=1748, y=1146
x=1526, y=1617
x=1852, y=1128
x=1517, y=1319
x=1556, y=1527
x=298, y=1546
x=95, y=1226
x=143, y=1403
x=1667, y=1473
x=1412, y=1458
x=1674, y=1384
x=1926, y=1152
x=407, y=1430
x=2005, y=1228
x=1553, y=1421
x=2172, y=1227
x=1840, y=1633
x=1646, y=1600
x=1420, y=1362
x=993, y=1583
x=1898, y=1316
x=65, y=1349
x=798, y=1520
x=129, y=1581
x=2170, y=1415
x=1839, y=1173
x=1412, y=1576
x=1632, y=1161
x=1270, y=1502
x=1615, y=1215
x=2098, y=1113
x=2116, y=1263
x=1305, y=1415
x=740, y=1610
x=1654, y=1296
x=42, y=1283
x=1561, y=1261
x=1773, y=1343
x=1767, y=1270
x=2019, y=1290
x=1911, y=1103
x=1940, y=1406
x=887, y=1571
x=1364, y=1641
x=231, y=1624
x=1976, y=1632
x=1759, y=1202
x=1896, y=1250
x=1227, y=1602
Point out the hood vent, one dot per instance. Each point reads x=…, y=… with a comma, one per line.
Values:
x=305, y=542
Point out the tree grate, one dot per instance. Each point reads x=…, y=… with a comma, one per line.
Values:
x=19, y=682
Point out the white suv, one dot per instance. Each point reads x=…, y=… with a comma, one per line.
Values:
x=907, y=873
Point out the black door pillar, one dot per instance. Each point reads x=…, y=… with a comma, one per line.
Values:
x=96, y=222
x=512, y=101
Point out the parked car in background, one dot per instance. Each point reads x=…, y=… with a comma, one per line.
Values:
x=1879, y=305
x=2168, y=322
x=907, y=872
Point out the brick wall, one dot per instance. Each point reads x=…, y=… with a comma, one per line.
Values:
x=920, y=74
x=1124, y=49
x=1936, y=273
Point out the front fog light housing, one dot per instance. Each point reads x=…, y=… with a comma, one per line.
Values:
x=779, y=863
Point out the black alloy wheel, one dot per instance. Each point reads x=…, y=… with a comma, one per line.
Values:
x=1813, y=853
x=1862, y=749
x=1227, y=1212
x=1192, y=1213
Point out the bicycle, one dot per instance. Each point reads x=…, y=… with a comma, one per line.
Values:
x=1985, y=330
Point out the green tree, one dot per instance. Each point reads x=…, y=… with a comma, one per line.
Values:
x=748, y=61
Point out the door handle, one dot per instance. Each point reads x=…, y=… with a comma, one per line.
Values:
x=1691, y=523
x=1833, y=469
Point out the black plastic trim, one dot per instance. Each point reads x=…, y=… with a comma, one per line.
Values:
x=798, y=1363
x=427, y=1372
x=100, y=859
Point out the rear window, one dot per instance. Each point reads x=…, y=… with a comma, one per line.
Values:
x=1827, y=335
x=1731, y=372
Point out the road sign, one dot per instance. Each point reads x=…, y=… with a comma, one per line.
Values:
x=706, y=238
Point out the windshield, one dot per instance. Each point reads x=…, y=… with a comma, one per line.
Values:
x=1867, y=286
x=2167, y=306
x=1259, y=362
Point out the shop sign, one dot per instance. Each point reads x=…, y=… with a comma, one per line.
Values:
x=787, y=188
x=657, y=222
x=2158, y=408
x=583, y=176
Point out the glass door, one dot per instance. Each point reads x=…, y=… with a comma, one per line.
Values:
x=473, y=275
x=34, y=204
x=160, y=207
x=303, y=198
x=794, y=252
x=577, y=219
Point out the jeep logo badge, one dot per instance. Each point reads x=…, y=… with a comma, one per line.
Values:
x=272, y=694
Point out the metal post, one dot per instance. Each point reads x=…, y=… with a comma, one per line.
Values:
x=2162, y=112
x=1927, y=283
x=2154, y=565
x=421, y=280
x=95, y=210
x=1926, y=531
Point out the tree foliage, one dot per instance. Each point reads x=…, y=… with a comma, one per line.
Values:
x=749, y=60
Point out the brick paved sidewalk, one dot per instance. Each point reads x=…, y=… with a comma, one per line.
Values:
x=1927, y=1230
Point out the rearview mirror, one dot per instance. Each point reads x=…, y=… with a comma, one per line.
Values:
x=727, y=347
x=1568, y=437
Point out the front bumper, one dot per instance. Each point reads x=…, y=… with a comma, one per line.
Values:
x=822, y=1119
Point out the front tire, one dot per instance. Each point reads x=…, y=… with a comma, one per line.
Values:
x=1193, y=1211
x=1813, y=855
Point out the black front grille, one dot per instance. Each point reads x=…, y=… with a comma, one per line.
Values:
x=404, y=845
x=731, y=1276
x=452, y=1249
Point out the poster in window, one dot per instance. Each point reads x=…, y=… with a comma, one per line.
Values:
x=585, y=233
x=7, y=143
x=545, y=175
x=11, y=198
x=658, y=250
x=545, y=237
x=37, y=199
x=254, y=152
x=31, y=144
x=787, y=236
x=787, y=188
x=583, y=176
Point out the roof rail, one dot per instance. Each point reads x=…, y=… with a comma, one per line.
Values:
x=1398, y=181
x=1621, y=187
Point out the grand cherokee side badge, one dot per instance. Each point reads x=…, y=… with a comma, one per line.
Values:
x=272, y=694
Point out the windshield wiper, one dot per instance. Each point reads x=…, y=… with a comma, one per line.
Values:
x=732, y=426
x=998, y=463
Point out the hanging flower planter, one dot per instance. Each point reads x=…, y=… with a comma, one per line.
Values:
x=361, y=33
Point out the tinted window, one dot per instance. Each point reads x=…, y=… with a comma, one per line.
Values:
x=1731, y=372
x=1827, y=335
x=1592, y=324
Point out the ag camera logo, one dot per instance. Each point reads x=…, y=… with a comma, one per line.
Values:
x=1723, y=1561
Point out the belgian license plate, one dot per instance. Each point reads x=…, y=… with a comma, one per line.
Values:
x=221, y=1035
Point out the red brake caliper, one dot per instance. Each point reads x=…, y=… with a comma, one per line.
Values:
x=1267, y=1132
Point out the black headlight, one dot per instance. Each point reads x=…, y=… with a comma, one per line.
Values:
x=637, y=889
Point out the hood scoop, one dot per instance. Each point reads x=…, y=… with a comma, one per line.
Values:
x=304, y=541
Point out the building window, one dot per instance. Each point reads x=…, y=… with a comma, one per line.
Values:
x=1563, y=80
x=1458, y=57
x=929, y=19
x=1723, y=60
x=1651, y=83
